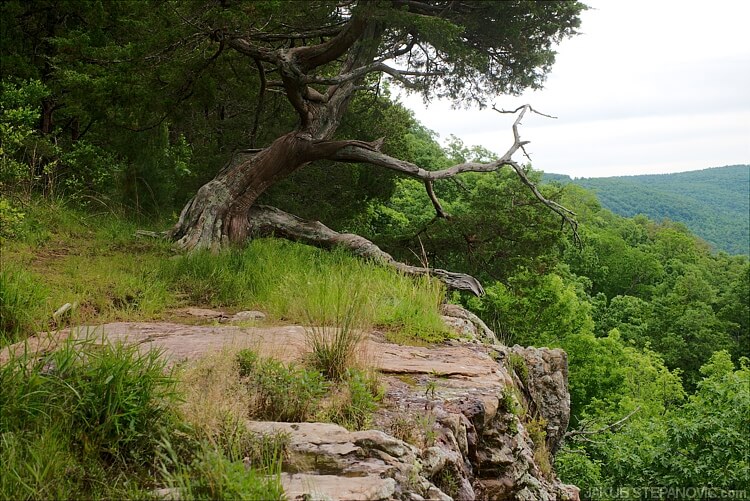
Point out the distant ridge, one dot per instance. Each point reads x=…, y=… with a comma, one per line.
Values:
x=714, y=203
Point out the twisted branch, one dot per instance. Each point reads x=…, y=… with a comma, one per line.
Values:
x=353, y=152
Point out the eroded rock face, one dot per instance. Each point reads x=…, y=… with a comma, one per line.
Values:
x=446, y=430
x=467, y=324
x=547, y=388
x=481, y=449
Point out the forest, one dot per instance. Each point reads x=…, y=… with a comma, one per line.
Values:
x=208, y=124
x=712, y=203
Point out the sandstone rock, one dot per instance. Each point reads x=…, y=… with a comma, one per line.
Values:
x=465, y=323
x=205, y=313
x=166, y=494
x=547, y=387
x=325, y=461
x=449, y=393
x=247, y=316
x=460, y=326
x=331, y=487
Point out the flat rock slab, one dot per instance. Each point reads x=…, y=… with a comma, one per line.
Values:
x=180, y=342
x=326, y=461
x=465, y=365
x=301, y=486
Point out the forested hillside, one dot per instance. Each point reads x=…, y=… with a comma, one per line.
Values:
x=203, y=122
x=713, y=203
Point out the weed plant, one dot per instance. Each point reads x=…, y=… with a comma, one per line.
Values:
x=537, y=429
x=517, y=364
x=356, y=401
x=287, y=392
x=416, y=429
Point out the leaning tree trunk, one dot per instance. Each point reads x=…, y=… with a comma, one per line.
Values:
x=218, y=213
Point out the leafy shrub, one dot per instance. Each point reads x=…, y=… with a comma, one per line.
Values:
x=10, y=220
x=280, y=392
x=19, y=114
x=86, y=170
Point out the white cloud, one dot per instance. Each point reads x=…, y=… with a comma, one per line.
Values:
x=648, y=87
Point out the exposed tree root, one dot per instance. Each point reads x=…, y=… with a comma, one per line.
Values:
x=267, y=221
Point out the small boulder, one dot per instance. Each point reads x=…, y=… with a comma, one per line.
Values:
x=247, y=316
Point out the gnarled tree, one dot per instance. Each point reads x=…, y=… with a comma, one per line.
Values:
x=460, y=49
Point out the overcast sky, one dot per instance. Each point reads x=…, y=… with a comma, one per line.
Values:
x=648, y=87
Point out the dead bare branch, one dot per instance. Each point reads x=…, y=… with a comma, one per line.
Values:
x=582, y=433
x=350, y=151
x=435, y=202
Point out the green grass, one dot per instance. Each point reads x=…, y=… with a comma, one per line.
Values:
x=106, y=421
x=357, y=398
x=334, y=342
x=517, y=364
x=278, y=391
x=61, y=255
x=93, y=421
x=83, y=421
x=299, y=283
x=275, y=391
x=21, y=295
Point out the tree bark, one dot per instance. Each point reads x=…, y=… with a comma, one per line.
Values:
x=217, y=214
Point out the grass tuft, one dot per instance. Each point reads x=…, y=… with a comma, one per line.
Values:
x=334, y=346
x=79, y=421
x=353, y=405
x=21, y=300
x=97, y=421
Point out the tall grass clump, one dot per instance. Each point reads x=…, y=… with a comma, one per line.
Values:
x=212, y=475
x=335, y=334
x=21, y=304
x=81, y=421
x=105, y=421
x=410, y=308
